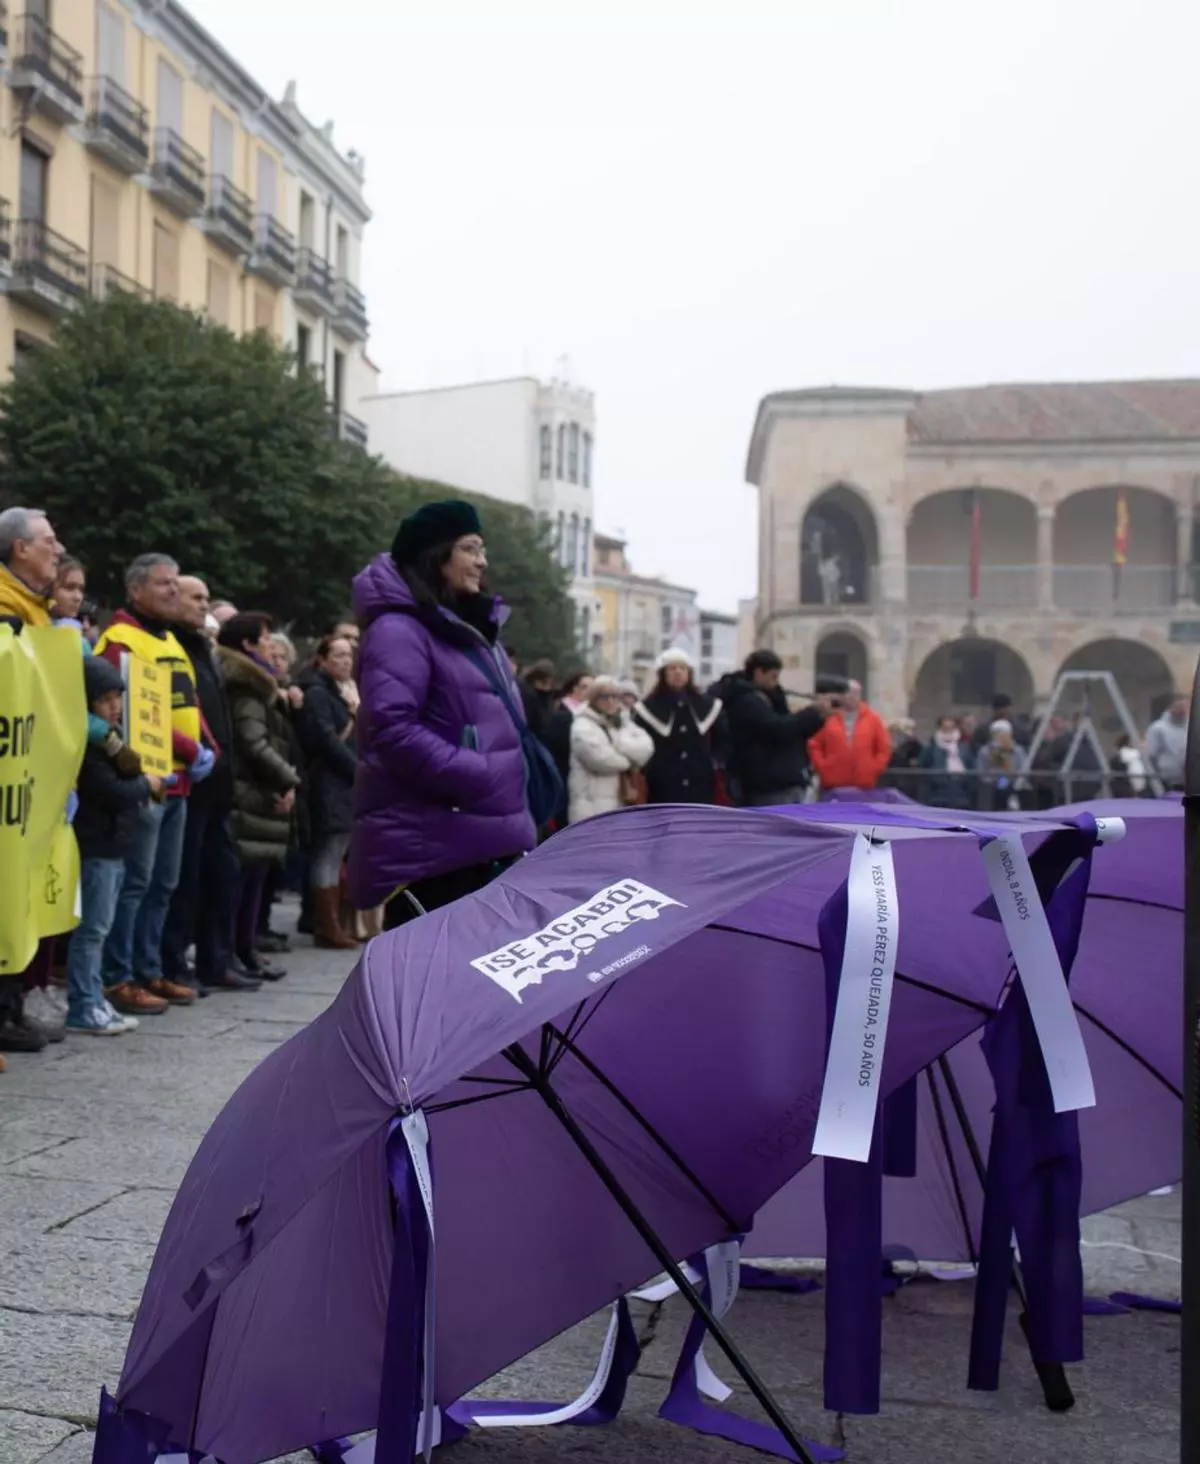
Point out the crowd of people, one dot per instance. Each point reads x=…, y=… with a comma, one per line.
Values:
x=406, y=762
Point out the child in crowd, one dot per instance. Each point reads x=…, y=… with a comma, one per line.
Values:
x=112, y=791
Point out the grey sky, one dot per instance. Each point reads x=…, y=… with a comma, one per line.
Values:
x=698, y=203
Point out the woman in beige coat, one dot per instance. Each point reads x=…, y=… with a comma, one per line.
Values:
x=605, y=744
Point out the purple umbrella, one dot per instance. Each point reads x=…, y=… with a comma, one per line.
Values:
x=1125, y=987
x=637, y=1010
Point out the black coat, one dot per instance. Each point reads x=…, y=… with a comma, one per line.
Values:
x=106, y=821
x=539, y=710
x=686, y=731
x=769, y=743
x=217, y=788
x=330, y=761
x=262, y=770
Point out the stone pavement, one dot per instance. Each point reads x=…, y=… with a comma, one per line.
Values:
x=96, y=1134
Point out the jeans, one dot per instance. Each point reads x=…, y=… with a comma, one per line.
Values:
x=133, y=950
x=99, y=888
x=325, y=865
x=202, y=906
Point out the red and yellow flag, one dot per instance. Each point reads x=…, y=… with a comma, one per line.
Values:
x=1121, y=534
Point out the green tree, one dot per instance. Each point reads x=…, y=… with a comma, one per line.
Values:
x=150, y=428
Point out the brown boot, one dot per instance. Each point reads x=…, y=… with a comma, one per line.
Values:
x=329, y=935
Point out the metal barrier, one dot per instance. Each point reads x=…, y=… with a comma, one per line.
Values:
x=981, y=791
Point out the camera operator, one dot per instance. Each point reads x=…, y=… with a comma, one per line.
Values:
x=769, y=762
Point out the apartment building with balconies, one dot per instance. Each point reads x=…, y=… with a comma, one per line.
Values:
x=948, y=545
x=137, y=154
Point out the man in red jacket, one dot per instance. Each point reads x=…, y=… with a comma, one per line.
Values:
x=853, y=747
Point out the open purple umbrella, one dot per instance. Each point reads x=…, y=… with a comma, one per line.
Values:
x=1125, y=988
x=617, y=1052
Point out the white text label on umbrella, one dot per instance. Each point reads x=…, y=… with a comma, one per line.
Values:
x=1036, y=959
x=850, y=1096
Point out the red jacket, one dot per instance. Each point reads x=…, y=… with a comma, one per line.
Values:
x=857, y=762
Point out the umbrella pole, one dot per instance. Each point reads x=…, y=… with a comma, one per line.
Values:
x=1052, y=1375
x=538, y=1081
x=1189, y=1430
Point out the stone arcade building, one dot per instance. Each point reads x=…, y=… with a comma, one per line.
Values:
x=943, y=546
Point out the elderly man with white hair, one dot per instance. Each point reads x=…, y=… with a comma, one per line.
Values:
x=29, y=558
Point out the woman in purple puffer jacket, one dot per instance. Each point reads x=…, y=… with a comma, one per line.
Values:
x=440, y=795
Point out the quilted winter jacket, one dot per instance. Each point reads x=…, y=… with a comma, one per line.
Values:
x=441, y=774
x=261, y=770
x=600, y=753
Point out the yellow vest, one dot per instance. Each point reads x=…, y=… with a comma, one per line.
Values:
x=16, y=598
x=162, y=650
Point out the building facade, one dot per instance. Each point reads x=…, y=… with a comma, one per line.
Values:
x=519, y=440
x=942, y=547
x=718, y=646
x=136, y=154
x=639, y=616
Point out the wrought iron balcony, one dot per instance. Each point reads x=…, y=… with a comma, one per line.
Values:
x=353, y=430
x=351, y=317
x=274, y=255
x=118, y=126
x=108, y=280
x=6, y=241
x=49, y=273
x=229, y=218
x=177, y=174
x=45, y=72
x=314, y=282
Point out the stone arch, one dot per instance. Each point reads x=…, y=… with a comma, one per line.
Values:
x=1143, y=677
x=962, y=676
x=922, y=489
x=839, y=548
x=938, y=549
x=843, y=652
x=1085, y=531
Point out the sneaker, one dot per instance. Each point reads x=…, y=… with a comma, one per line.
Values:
x=41, y=1012
x=130, y=998
x=17, y=1034
x=174, y=992
x=57, y=998
x=98, y=1021
x=131, y=1023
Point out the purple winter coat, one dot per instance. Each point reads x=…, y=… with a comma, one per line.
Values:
x=441, y=776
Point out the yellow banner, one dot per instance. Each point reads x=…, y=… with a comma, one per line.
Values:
x=43, y=733
x=149, y=714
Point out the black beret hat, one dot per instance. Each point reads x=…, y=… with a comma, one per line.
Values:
x=433, y=524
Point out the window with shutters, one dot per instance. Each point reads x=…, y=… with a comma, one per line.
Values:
x=268, y=184
x=221, y=145
x=166, y=263
x=544, y=452
x=573, y=453
x=170, y=98
x=587, y=459
x=308, y=221
x=343, y=252
x=339, y=384
x=110, y=43
x=220, y=292
x=264, y=312
x=560, y=452
x=104, y=242
x=35, y=172
x=304, y=347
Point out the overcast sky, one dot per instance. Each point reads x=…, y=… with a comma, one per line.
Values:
x=700, y=201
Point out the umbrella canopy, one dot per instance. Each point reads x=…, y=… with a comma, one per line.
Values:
x=660, y=968
x=1126, y=987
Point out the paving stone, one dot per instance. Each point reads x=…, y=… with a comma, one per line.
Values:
x=60, y=1363
x=72, y=1274
x=28, y=1438
x=32, y=1206
x=136, y=1215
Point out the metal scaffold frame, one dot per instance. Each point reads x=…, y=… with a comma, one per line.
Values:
x=1086, y=730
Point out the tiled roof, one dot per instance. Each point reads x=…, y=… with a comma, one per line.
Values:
x=1060, y=412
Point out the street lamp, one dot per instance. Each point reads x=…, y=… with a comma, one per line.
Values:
x=1189, y=1419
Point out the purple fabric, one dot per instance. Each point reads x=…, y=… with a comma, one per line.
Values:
x=867, y=795
x=1136, y=1302
x=1132, y=1140
x=441, y=773
x=758, y=1278
x=280, y=1342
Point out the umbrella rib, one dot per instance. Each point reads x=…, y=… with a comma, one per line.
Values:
x=648, y=1128
x=478, y=1098
x=975, y=1006
x=597, y=1003
x=944, y=1133
x=1131, y=1051
x=525, y=1065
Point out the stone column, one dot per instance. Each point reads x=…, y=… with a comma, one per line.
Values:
x=1045, y=556
x=1184, y=520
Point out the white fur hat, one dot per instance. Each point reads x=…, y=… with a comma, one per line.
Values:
x=674, y=657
